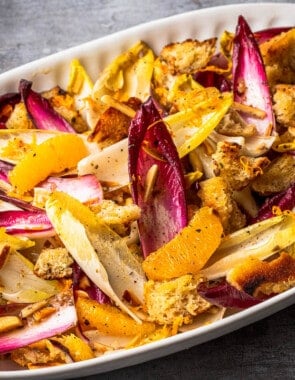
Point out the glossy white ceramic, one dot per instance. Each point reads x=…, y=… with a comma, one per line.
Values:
x=95, y=54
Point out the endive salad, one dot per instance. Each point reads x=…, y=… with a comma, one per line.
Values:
x=152, y=199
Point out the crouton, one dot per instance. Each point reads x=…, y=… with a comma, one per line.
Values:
x=178, y=299
x=215, y=193
x=284, y=99
x=38, y=354
x=279, y=58
x=233, y=125
x=53, y=263
x=112, y=213
x=113, y=125
x=178, y=58
x=236, y=169
x=188, y=56
x=19, y=118
x=277, y=177
x=258, y=277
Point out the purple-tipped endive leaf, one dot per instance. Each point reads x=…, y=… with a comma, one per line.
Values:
x=59, y=322
x=284, y=200
x=250, y=84
x=213, y=79
x=26, y=223
x=226, y=295
x=18, y=202
x=86, y=189
x=157, y=179
x=91, y=289
x=40, y=111
x=264, y=35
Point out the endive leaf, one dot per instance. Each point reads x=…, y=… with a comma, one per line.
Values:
x=79, y=81
x=79, y=86
x=16, y=243
x=74, y=236
x=123, y=268
x=108, y=165
x=128, y=75
x=20, y=284
x=157, y=179
x=57, y=323
x=209, y=121
x=260, y=240
x=250, y=84
x=40, y=110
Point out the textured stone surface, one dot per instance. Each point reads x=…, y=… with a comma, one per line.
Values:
x=32, y=29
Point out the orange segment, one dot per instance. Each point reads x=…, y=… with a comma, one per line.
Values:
x=189, y=250
x=109, y=320
x=54, y=155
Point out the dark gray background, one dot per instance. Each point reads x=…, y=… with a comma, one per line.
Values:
x=32, y=29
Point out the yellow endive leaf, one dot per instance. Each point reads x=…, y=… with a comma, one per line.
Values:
x=207, y=126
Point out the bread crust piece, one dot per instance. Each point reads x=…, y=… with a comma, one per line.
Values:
x=284, y=98
x=178, y=58
x=188, y=56
x=19, y=118
x=233, y=125
x=215, y=193
x=236, y=169
x=53, y=263
x=279, y=58
x=176, y=299
x=258, y=277
x=38, y=354
x=113, y=125
x=277, y=177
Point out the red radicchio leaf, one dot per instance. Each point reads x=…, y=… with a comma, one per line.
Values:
x=225, y=295
x=164, y=211
x=266, y=34
x=5, y=168
x=9, y=99
x=285, y=200
x=40, y=111
x=213, y=79
x=219, y=60
x=92, y=290
x=250, y=84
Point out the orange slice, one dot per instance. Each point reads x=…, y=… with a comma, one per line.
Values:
x=109, y=320
x=52, y=156
x=189, y=250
